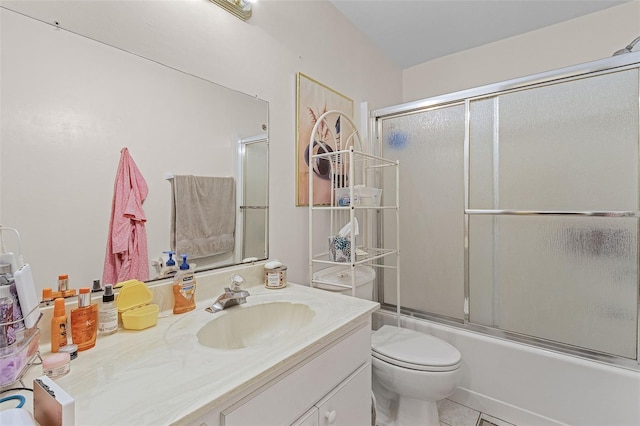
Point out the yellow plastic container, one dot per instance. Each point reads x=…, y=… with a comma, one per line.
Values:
x=135, y=307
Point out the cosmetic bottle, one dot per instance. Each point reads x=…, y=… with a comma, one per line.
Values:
x=63, y=283
x=63, y=286
x=84, y=321
x=47, y=296
x=18, y=324
x=7, y=328
x=58, y=325
x=184, y=288
x=108, y=313
x=70, y=349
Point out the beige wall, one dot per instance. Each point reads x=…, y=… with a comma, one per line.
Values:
x=579, y=40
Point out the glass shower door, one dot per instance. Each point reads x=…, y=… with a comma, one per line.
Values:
x=430, y=147
x=254, y=206
x=552, y=212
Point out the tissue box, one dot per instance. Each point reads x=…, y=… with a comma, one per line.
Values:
x=362, y=196
x=339, y=249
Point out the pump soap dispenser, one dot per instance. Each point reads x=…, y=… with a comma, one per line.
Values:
x=184, y=288
x=170, y=268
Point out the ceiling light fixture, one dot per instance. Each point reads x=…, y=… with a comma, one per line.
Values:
x=239, y=8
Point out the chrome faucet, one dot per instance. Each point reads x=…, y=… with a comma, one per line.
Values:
x=231, y=296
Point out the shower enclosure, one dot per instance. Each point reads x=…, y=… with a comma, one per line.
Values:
x=520, y=212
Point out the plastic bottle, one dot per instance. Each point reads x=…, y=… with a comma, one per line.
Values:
x=63, y=286
x=58, y=325
x=184, y=288
x=170, y=268
x=7, y=256
x=8, y=280
x=47, y=296
x=84, y=321
x=7, y=327
x=63, y=283
x=108, y=313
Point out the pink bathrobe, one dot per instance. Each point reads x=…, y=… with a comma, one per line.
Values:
x=126, y=256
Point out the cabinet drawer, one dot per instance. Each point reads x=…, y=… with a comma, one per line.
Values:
x=349, y=403
x=292, y=395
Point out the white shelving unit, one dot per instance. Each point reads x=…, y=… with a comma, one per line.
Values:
x=344, y=181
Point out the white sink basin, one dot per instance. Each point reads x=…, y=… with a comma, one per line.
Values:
x=245, y=326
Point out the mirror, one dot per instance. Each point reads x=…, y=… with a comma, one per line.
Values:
x=70, y=104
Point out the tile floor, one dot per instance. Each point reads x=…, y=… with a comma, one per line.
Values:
x=454, y=414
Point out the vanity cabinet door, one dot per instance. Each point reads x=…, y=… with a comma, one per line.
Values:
x=350, y=402
x=282, y=401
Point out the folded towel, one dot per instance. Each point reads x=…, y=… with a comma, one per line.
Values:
x=203, y=215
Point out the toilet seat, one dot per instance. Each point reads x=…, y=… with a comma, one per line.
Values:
x=413, y=350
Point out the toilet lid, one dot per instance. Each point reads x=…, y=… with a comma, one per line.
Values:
x=414, y=350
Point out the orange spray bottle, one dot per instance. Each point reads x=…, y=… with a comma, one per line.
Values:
x=58, y=325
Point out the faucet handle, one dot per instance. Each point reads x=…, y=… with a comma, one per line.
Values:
x=236, y=281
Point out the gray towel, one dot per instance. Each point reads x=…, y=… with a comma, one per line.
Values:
x=203, y=215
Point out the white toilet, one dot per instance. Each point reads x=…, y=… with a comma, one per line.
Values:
x=410, y=370
x=365, y=276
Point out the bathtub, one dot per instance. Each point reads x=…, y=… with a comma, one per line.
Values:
x=526, y=385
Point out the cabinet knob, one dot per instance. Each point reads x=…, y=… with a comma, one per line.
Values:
x=331, y=416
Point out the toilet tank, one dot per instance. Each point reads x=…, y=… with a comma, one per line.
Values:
x=365, y=276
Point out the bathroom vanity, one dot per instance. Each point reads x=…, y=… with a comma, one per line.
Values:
x=303, y=358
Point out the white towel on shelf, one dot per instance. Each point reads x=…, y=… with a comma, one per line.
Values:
x=203, y=215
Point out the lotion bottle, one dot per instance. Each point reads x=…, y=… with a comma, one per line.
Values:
x=84, y=321
x=108, y=313
x=184, y=288
x=58, y=325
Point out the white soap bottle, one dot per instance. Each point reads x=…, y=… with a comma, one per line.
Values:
x=107, y=313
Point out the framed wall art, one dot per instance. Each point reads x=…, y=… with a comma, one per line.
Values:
x=314, y=99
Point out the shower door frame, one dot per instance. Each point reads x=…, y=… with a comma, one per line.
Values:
x=243, y=208
x=591, y=69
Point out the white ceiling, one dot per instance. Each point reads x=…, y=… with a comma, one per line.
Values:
x=414, y=31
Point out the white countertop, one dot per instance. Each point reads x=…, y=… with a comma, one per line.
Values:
x=162, y=375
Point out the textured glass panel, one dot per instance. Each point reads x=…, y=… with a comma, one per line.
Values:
x=482, y=288
x=566, y=279
x=429, y=146
x=482, y=134
x=570, y=146
x=256, y=174
x=255, y=193
x=255, y=235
